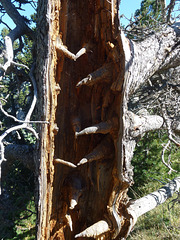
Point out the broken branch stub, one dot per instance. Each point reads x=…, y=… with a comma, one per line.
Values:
x=103, y=151
x=74, y=186
x=66, y=163
x=62, y=48
x=103, y=127
x=102, y=74
x=95, y=230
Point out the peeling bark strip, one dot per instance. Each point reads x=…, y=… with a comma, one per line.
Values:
x=86, y=150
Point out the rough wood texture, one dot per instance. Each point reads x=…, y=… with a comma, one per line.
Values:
x=96, y=183
x=79, y=108
x=48, y=23
x=87, y=147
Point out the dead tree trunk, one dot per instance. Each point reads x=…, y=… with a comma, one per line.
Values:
x=86, y=149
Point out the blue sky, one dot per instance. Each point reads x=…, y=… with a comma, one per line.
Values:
x=127, y=7
x=28, y=11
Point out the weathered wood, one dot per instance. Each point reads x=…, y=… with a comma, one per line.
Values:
x=77, y=26
x=85, y=171
x=85, y=103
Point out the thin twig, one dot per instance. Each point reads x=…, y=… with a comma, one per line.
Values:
x=162, y=158
x=18, y=120
x=20, y=65
x=168, y=124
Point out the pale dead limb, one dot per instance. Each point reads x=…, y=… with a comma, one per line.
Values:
x=20, y=29
x=2, y=158
x=8, y=53
x=140, y=124
x=27, y=119
x=15, y=128
x=20, y=65
x=147, y=203
x=28, y=116
x=139, y=66
x=16, y=119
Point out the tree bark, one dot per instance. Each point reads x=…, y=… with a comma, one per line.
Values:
x=86, y=149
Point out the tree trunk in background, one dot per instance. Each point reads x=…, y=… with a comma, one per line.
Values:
x=85, y=150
